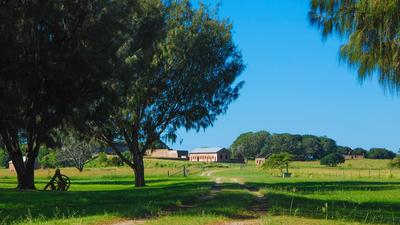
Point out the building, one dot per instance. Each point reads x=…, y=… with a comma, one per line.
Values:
x=167, y=153
x=210, y=155
x=11, y=166
x=260, y=159
x=183, y=154
x=350, y=157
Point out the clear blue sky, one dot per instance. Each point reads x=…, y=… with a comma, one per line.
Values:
x=295, y=83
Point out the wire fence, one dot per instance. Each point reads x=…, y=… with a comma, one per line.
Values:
x=340, y=173
x=185, y=171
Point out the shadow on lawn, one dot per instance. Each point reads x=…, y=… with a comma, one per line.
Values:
x=292, y=198
x=183, y=197
x=326, y=186
x=117, y=182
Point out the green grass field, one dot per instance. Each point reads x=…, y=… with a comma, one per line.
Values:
x=358, y=192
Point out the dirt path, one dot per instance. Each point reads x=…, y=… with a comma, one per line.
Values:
x=259, y=206
x=130, y=222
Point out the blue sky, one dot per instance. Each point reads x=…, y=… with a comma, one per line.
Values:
x=295, y=83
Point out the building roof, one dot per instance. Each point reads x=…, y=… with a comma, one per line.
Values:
x=263, y=155
x=207, y=150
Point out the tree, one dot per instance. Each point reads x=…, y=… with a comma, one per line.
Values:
x=371, y=29
x=280, y=161
x=249, y=145
x=332, y=159
x=380, y=153
x=159, y=144
x=50, y=58
x=313, y=147
x=177, y=69
x=394, y=163
x=302, y=147
x=279, y=143
x=359, y=151
x=344, y=150
x=75, y=150
x=328, y=145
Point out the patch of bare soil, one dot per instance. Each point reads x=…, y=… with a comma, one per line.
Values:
x=130, y=222
x=243, y=222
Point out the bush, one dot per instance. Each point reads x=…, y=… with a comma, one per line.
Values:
x=394, y=163
x=380, y=153
x=49, y=160
x=332, y=159
x=104, y=160
x=115, y=161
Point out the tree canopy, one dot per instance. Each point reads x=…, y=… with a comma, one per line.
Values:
x=394, y=163
x=250, y=144
x=177, y=67
x=279, y=161
x=48, y=62
x=380, y=153
x=302, y=147
x=371, y=30
x=332, y=159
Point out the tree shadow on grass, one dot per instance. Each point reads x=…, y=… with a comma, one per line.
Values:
x=293, y=198
x=129, y=202
x=182, y=197
x=116, y=182
x=327, y=186
x=371, y=213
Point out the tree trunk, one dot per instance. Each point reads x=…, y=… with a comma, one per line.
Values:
x=80, y=168
x=29, y=173
x=25, y=173
x=139, y=171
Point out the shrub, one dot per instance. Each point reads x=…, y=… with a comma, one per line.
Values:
x=115, y=161
x=47, y=158
x=104, y=160
x=332, y=159
x=395, y=163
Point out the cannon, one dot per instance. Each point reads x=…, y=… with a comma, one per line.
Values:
x=59, y=182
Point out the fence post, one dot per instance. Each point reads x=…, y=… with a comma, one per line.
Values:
x=184, y=171
x=168, y=173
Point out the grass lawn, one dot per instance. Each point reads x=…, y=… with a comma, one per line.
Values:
x=315, y=195
x=351, y=198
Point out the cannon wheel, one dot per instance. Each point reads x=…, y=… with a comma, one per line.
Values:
x=61, y=183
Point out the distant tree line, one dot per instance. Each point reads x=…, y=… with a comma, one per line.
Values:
x=303, y=147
